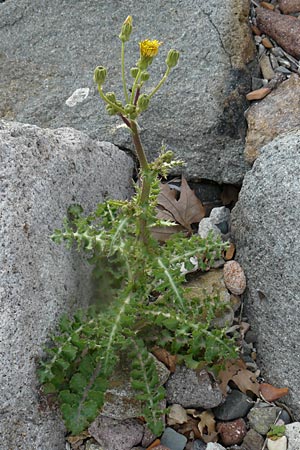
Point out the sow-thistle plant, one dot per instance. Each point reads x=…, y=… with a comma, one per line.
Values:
x=149, y=305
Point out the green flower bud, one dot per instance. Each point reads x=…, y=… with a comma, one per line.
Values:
x=110, y=110
x=145, y=76
x=134, y=72
x=143, y=102
x=126, y=29
x=111, y=96
x=172, y=58
x=129, y=109
x=133, y=115
x=100, y=75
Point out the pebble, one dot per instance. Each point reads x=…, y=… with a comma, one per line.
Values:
x=256, y=83
x=206, y=226
x=285, y=30
x=236, y=405
x=278, y=444
x=253, y=440
x=258, y=95
x=173, y=440
x=234, y=277
x=285, y=417
x=267, y=5
x=260, y=419
x=266, y=67
x=271, y=393
x=232, y=432
x=289, y=6
x=192, y=389
x=292, y=432
x=283, y=70
x=221, y=218
x=214, y=446
x=199, y=445
x=266, y=42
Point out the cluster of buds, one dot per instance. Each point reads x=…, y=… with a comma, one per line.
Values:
x=135, y=101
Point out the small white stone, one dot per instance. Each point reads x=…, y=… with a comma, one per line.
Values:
x=221, y=214
x=205, y=226
x=279, y=444
x=77, y=97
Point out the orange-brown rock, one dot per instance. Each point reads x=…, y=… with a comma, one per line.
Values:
x=278, y=113
x=258, y=94
x=272, y=393
x=289, y=6
x=267, y=5
x=285, y=30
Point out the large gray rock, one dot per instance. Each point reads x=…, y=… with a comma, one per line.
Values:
x=265, y=225
x=50, y=49
x=41, y=173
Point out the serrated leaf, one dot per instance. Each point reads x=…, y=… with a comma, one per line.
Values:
x=69, y=351
x=68, y=397
x=78, y=383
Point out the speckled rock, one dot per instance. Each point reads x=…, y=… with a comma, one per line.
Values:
x=42, y=172
x=289, y=6
x=285, y=30
x=260, y=419
x=236, y=405
x=264, y=125
x=265, y=227
x=292, y=432
x=232, y=433
x=116, y=434
x=192, y=389
x=54, y=49
x=234, y=277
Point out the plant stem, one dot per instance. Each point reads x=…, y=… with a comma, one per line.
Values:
x=103, y=96
x=144, y=199
x=123, y=72
x=134, y=85
x=160, y=83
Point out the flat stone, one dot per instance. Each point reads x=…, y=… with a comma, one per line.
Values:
x=54, y=50
x=253, y=440
x=285, y=30
x=206, y=226
x=260, y=419
x=264, y=125
x=116, y=434
x=278, y=444
x=265, y=229
x=192, y=389
x=120, y=398
x=42, y=172
x=289, y=6
x=266, y=67
x=236, y=405
x=173, y=440
x=292, y=432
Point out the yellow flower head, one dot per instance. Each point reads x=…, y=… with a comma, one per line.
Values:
x=148, y=48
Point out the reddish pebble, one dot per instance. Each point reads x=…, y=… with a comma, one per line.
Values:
x=234, y=277
x=267, y=43
x=272, y=393
x=267, y=5
x=285, y=30
x=232, y=433
x=289, y=6
x=258, y=94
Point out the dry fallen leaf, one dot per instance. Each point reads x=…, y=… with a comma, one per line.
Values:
x=237, y=372
x=186, y=210
x=165, y=357
x=177, y=415
x=207, y=427
x=164, y=233
x=189, y=429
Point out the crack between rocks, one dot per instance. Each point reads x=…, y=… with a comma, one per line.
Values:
x=208, y=15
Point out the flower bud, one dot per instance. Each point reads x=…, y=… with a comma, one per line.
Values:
x=143, y=102
x=126, y=29
x=111, y=111
x=145, y=76
x=129, y=109
x=111, y=96
x=172, y=58
x=134, y=71
x=100, y=75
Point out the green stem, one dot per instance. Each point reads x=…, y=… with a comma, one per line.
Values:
x=103, y=96
x=144, y=199
x=160, y=83
x=134, y=85
x=123, y=72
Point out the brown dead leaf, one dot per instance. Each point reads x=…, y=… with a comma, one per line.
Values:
x=272, y=393
x=78, y=439
x=207, y=427
x=237, y=372
x=189, y=429
x=162, y=234
x=165, y=357
x=186, y=210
